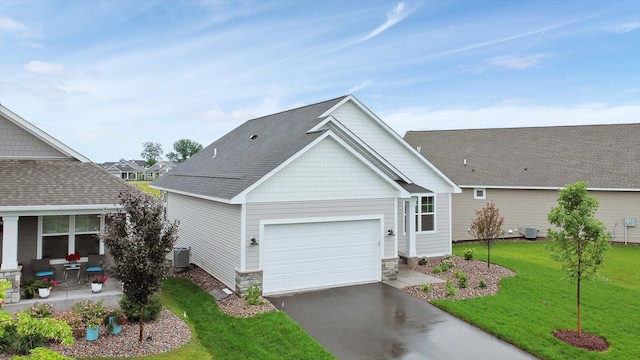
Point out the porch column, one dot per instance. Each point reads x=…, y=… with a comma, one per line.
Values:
x=10, y=243
x=411, y=231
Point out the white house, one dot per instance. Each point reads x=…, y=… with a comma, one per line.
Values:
x=319, y=196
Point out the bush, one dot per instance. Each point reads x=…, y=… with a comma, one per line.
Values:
x=449, y=260
x=132, y=311
x=437, y=270
x=426, y=287
x=483, y=284
x=75, y=323
x=41, y=310
x=92, y=313
x=253, y=295
x=41, y=353
x=468, y=253
x=445, y=267
x=451, y=290
x=9, y=337
x=458, y=274
x=462, y=282
x=422, y=262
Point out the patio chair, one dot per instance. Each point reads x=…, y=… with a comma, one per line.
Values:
x=95, y=266
x=42, y=268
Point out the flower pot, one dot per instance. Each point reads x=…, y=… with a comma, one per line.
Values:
x=92, y=333
x=96, y=287
x=112, y=327
x=44, y=292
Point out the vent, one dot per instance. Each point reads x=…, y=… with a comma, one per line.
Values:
x=181, y=257
x=530, y=233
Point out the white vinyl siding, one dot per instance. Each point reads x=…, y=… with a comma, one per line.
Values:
x=212, y=230
x=326, y=171
x=389, y=147
x=436, y=243
x=318, y=209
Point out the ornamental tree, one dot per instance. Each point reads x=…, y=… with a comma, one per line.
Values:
x=487, y=227
x=139, y=238
x=582, y=240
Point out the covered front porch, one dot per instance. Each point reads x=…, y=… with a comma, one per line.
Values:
x=65, y=295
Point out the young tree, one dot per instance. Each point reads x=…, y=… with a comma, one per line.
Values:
x=184, y=149
x=582, y=240
x=139, y=238
x=487, y=227
x=151, y=152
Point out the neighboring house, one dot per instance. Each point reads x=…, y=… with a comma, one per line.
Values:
x=315, y=197
x=51, y=200
x=158, y=169
x=126, y=169
x=522, y=169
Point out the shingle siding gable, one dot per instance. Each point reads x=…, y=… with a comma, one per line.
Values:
x=15, y=142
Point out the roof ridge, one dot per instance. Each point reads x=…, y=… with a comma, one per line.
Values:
x=526, y=127
x=298, y=108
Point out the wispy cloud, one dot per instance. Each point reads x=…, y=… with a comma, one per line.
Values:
x=624, y=28
x=518, y=62
x=396, y=15
x=41, y=67
x=12, y=25
x=360, y=86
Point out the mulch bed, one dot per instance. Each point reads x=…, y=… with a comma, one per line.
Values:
x=584, y=340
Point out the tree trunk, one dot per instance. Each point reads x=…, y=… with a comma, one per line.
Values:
x=141, y=322
x=488, y=255
x=578, y=295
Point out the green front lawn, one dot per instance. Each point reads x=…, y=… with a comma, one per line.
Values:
x=540, y=299
x=144, y=186
x=217, y=335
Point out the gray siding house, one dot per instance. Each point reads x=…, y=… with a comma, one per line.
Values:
x=51, y=200
x=315, y=197
x=522, y=169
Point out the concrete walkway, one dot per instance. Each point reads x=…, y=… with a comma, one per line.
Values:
x=408, y=277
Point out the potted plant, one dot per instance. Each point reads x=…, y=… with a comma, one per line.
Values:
x=30, y=286
x=93, y=326
x=73, y=258
x=45, y=286
x=114, y=321
x=96, y=283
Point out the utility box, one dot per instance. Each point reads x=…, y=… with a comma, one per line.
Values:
x=181, y=256
x=629, y=222
x=530, y=233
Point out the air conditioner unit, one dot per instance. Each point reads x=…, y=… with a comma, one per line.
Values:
x=530, y=233
x=181, y=256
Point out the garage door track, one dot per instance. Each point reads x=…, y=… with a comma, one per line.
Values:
x=377, y=321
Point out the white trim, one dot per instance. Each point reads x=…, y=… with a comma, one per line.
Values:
x=225, y=201
x=545, y=188
x=398, y=138
x=450, y=226
x=241, y=197
x=57, y=209
x=41, y=135
x=396, y=230
x=419, y=213
x=243, y=237
x=475, y=193
x=71, y=236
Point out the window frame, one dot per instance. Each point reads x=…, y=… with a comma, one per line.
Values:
x=71, y=234
x=419, y=214
x=475, y=194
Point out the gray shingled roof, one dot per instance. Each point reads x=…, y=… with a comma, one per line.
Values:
x=56, y=182
x=607, y=156
x=241, y=161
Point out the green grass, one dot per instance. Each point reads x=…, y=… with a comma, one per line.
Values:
x=217, y=335
x=144, y=186
x=540, y=299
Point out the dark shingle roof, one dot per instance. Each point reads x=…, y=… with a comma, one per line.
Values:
x=607, y=156
x=56, y=182
x=241, y=161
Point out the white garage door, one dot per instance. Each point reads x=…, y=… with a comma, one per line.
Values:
x=319, y=255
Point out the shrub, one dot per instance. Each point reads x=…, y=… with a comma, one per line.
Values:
x=449, y=260
x=132, y=311
x=41, y=310
x=252, y=295
x=32, y=333
x=445, y=267
x=75, y=323
x=483, y=284
x=422, y=262
x=468, y=253
x=9, y=337
x=451, y=290
x=41, y=353
x=458, y=274
x=426, y=287
x=437, y=270
x=92, y=313
x=462, y=282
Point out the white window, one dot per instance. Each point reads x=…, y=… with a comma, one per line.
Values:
x=426, y=214
x=64, y=234
x=479, y=194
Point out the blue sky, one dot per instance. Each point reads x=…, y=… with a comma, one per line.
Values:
x=105, y=76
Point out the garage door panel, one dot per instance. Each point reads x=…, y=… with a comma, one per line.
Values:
x=315, y=255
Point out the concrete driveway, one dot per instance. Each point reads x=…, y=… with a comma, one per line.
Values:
x=378, y=321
